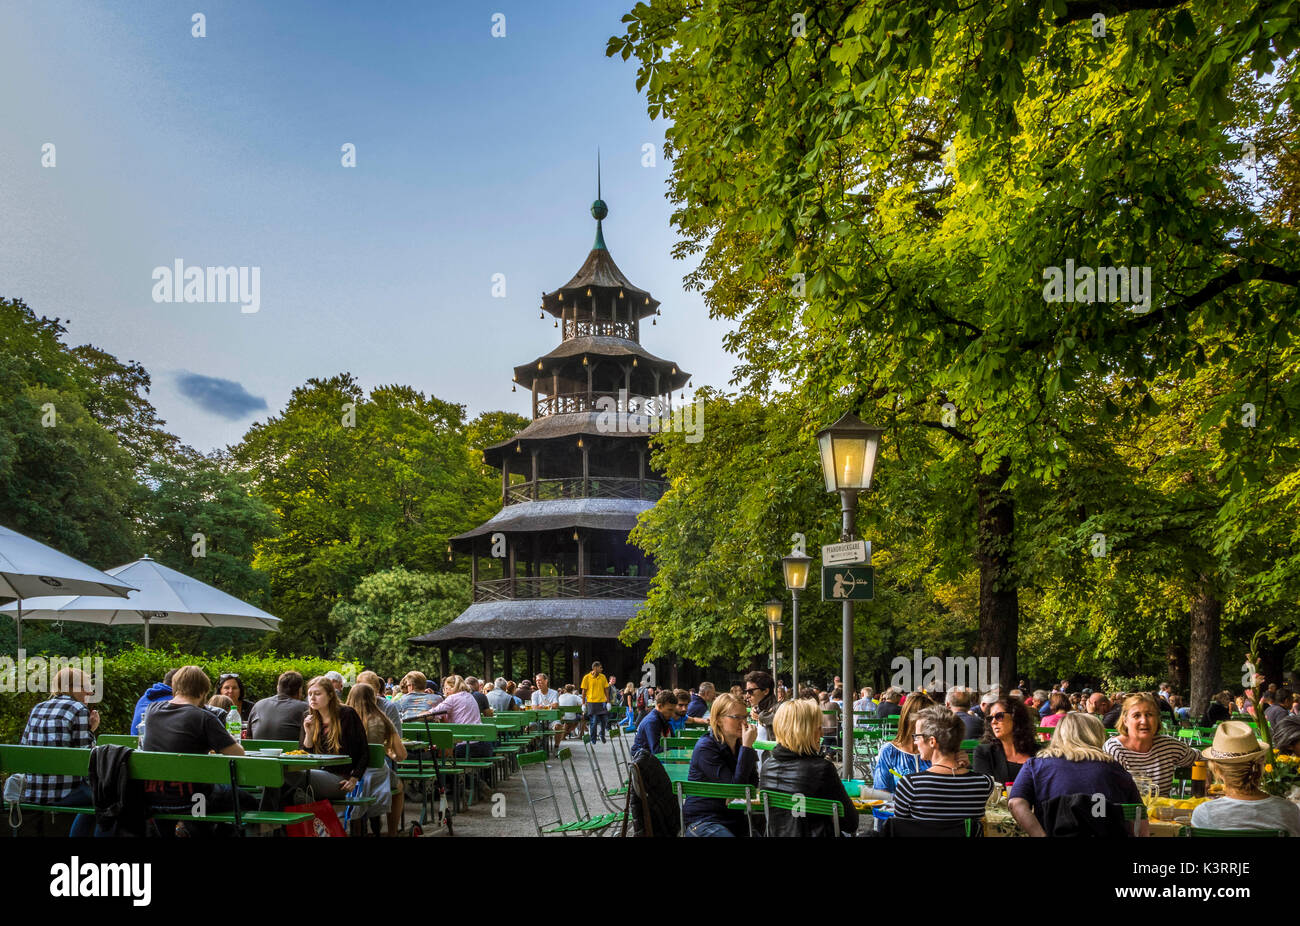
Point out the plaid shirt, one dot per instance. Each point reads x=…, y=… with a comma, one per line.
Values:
x=60, y=721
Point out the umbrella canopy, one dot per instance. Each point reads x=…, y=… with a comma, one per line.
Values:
x=165, y=597
x=29, y=569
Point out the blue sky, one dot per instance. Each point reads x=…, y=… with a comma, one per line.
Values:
x=475, y=156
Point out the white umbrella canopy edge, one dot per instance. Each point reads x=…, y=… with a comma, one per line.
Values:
x=164, y=597
x=31, y=569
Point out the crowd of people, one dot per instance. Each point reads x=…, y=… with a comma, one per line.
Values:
x=1100, y=745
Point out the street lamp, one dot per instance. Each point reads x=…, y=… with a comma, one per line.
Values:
x=848, y=451
x=795, y=569
x=773, y=609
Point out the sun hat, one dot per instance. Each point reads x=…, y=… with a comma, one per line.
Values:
x=1235, y=741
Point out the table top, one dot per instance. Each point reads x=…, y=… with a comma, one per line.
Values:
x=308, y=761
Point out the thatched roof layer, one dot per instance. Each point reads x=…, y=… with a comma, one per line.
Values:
x=538, y=619
x=615, y=514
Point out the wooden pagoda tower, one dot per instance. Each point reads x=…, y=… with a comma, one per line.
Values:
x=557, y=593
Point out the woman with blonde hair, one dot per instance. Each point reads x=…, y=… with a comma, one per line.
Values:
x=1141, y=748
x=331, y=728
x=1073, y=763
x=723, y=755
x=1237, y=758
x=899, y=758
x=796, y=766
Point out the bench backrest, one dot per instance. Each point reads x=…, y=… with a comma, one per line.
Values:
x=45, y=760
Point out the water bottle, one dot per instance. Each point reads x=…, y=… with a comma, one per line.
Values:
x=139, y=741
x=234, y=725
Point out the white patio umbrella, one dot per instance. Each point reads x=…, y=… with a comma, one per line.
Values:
x=30, y=569
x=165, y=597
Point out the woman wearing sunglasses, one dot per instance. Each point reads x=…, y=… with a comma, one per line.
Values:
x=1010, y=740
x=723, y=755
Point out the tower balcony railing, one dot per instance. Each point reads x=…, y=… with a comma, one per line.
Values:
x=541, y=587
x=589, y=328
x=567, y=403
x=592, y=487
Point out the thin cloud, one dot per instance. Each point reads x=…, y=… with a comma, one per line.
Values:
x=223, y=397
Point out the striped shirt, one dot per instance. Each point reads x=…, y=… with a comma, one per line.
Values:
x=1166, y=754
x=60, y=721
x=932, y=795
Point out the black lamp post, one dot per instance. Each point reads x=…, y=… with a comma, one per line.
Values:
x=795, y=569
x=773, y=609
x=848, y=451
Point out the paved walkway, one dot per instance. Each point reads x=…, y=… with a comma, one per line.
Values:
x=513, y=817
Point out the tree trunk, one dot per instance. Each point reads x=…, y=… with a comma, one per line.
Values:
x=1206, y=674
x=999, y=600
x=1176, y=654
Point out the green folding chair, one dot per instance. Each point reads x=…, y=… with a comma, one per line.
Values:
x=685, y=789
x=797, y=803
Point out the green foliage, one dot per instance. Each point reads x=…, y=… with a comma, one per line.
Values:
x=387, y=609
x=360, y=484
x=127, y=675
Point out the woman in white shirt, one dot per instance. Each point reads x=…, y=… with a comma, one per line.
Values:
x=1237, y=759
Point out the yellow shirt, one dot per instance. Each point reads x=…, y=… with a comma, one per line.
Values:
x=595, y=687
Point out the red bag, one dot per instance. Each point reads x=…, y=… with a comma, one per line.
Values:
x=325, y=822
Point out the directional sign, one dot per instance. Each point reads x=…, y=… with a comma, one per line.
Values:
x=852, y=553
x=848, y=583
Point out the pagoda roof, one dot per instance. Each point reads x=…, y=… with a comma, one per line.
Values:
x=571, y=424
x=599, y=271
x=615, y=514
x=599, y=346
x=538, y=619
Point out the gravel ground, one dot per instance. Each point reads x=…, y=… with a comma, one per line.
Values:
x=513, y=817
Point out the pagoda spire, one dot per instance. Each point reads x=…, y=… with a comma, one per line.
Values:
x=599, y=210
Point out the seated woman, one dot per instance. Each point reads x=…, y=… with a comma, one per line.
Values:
x=1009, y=741
x=331, y=728
x=459, y=706
x=232, y=687
x=899, y=758
x=1236, y=758
x=946, y=789
x=1074, y=762
x=1058, y=707
x=795, y=767
x=1141, y=748
x=723, y=755
x=380, y=731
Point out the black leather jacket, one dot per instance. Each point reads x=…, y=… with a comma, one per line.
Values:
x=811, y=776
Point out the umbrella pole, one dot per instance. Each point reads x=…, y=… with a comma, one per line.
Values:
x=146, y=633
x=20, y=624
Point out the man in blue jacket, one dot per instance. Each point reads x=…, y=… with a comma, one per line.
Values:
x=652, y=730
x=157, y=693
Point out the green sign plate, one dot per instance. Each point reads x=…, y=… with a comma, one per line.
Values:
x=848, y=583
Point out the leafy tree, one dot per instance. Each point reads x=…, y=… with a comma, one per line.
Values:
x=387, y=609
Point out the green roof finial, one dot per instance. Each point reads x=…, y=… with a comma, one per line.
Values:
x=598, y=209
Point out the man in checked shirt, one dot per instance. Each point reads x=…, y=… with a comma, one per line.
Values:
x=63, y=720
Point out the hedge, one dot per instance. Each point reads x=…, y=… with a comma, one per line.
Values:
x=129, y=674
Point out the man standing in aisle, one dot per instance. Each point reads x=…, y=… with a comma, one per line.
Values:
x=595, y=695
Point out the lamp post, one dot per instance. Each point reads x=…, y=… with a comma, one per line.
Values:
x=773, y=609
x=848, y=451
x=795, y=569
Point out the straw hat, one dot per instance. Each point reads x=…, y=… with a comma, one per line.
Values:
x=1235, y=741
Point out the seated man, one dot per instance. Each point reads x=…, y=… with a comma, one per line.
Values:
x=183, y=724
x=63, y=720
x=416, y=697
x=544, y=697
x=280, y=717
x=158, y=691
x=499, y=698
x=570, y=718
x=650, y=733
x=697, y=711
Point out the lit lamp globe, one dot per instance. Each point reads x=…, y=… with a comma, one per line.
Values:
x=795, y=569
x=848, y=451
x=773, y=609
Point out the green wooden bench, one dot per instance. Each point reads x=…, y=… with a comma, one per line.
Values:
x=236, y=771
